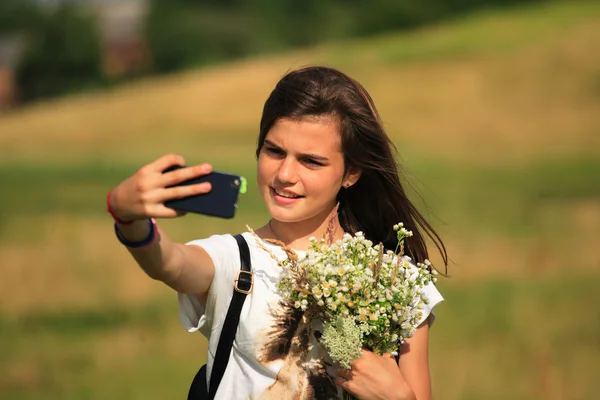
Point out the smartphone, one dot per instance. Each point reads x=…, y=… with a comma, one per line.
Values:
x=220, y=202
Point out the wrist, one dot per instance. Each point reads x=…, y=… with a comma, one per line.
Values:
x=403, y=392
x=140, y=234
x=110, y=208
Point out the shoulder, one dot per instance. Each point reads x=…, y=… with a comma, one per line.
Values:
x=216, y=240
x=433, y=297
x=222, y=249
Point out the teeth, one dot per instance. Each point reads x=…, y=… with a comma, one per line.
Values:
x=285, y=195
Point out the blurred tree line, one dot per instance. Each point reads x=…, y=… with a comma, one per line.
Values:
x=63, y=51
x=61, y=48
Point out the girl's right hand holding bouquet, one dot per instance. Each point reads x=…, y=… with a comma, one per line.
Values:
x=377, y=377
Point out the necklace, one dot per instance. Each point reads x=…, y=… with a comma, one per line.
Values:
x=291, y=254
x=292, y=257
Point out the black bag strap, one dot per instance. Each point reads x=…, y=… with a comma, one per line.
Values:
x=241, y=287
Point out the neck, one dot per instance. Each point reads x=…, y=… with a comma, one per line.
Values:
x=296, y=234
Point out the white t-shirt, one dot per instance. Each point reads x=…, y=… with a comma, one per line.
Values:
x=275, y=355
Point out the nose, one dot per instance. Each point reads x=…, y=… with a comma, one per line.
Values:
x=287, y=172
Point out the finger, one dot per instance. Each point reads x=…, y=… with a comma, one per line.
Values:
x=166, y=161
x=178, y=192
x=345, y=373
x=161, y=211
x=343, y=383
x=175, y=177
x=363, y=354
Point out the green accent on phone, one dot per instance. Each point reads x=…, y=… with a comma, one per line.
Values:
x=244, y=185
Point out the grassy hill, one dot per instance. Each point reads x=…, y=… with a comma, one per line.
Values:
x=495, y=116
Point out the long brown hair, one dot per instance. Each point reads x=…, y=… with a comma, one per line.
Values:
x=377, y=200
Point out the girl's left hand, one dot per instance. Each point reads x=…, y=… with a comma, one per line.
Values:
x=374, y=377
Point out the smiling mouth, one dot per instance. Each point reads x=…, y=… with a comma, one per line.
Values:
x=285, y=194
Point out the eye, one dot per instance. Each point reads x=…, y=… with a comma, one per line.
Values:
x=274, y=151
x=314, y=162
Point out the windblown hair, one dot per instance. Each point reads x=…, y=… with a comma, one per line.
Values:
x=378, y=200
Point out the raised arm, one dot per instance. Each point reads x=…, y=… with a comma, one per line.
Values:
x=187, y=269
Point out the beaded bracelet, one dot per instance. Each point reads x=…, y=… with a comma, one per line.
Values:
x=147, y=241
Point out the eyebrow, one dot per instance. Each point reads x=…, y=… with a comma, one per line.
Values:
x=304, y=155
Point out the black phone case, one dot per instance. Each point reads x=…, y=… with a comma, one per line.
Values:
x=220, y=202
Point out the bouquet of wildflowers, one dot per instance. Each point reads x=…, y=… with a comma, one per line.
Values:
x=367, y=297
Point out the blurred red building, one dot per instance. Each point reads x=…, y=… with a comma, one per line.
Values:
x=11, y=49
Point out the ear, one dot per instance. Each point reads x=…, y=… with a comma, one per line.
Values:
x=351, y=177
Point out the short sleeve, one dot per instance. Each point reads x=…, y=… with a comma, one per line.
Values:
x=195, y=316
x=434, y=297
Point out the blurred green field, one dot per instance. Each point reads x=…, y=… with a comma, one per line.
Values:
x=496, y=118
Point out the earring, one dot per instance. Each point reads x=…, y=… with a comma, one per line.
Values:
x=346, y=185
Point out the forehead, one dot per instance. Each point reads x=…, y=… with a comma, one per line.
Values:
x=316, y=135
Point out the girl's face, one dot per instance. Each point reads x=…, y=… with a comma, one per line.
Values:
x=301, y=168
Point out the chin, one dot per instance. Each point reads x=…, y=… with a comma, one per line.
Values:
x=293, y=215
x=287, y=214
